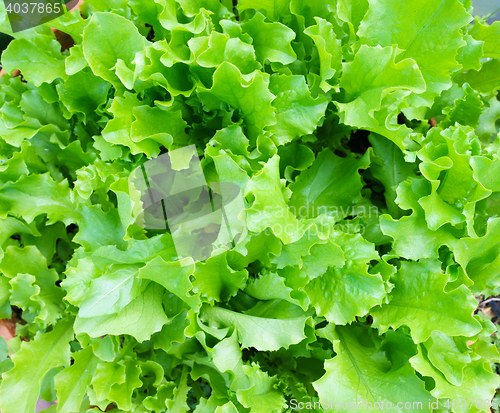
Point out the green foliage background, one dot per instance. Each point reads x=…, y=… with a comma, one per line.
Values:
x=364, y=136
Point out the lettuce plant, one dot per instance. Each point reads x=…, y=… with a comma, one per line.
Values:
x=363, y=136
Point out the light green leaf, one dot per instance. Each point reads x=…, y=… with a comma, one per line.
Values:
x=480, y=257
x=161, y=64
x=78, y=278
x=36, y=106
x=175, y=277
x=118, y=131
x=164, y=126
x=352, y=12
x=212, y=404
x=107, y=374
x=479, y=382
x=297, y=113
x=21, y=386
x=469, y=56
x=466, y=111
x=390, y=168
x=215, y=280
x=490, y=35
x=227, y=408
x=269, y=209
x=270, y=286
x=227, y=167
x=39, y=59
x=227, y=356
x=178, y=404
x=446, y=357
x=331, y=186
x=448, y=167
x=360, y=372
x=5, y=308
x=83, y=92
x=98, y=228
x=233, y=139
x=271, y=41
x=121, y=393
x=424, y=313
x=138, y=251
x=292, y=254
x=71, y=22
x=171, y=334
x=107, y=38
x=72, y=383
x=329, y=50
x=36, y=287
x=486, y=172
x=248, y=93
x=112, y=291
x=342, y=294
x=412, y=237
x=24, y=294
x=265, y=334
x=342, y=273
x=37, y=194
x=486, y=80
x=414, y=28
x=262, y=395
x=140, y=318
x=75, y=61
x=172, y=16
x=294, y=157
x=487, y=120
x=375, y=82
x=274, y=8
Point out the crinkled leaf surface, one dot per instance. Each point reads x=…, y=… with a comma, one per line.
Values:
x=362, y=135
x=356, y=373
x=434, y=311
x=426, y=31
x=20, y=388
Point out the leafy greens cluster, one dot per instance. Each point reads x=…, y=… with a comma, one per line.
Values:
x=364, y=137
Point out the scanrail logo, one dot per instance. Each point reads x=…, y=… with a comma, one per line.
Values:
x=25, y=14
x=204, y=220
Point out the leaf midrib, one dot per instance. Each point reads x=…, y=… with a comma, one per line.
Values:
x=110, y=291
x=419, y=30
x=354, y=364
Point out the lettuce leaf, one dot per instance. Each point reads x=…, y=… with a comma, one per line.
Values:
x=360, y=140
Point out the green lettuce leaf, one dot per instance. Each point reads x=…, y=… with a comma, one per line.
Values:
x=140, y=318
x=104, y=48
x=297, y=113
x=72, y=383
x=374, y=78
x=271, y=41
x=425, y=313
x=21, y=386
x=248, y=93
x=413, y=27
x=360, y=372
x=488, y=34
x=260, y=332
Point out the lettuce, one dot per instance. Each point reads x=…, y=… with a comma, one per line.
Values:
x=363, y=136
